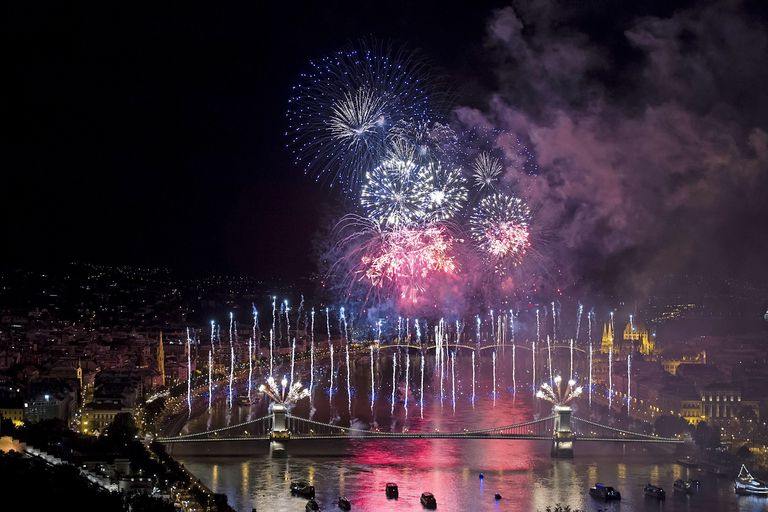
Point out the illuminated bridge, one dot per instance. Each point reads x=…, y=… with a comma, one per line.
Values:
x=283, y=430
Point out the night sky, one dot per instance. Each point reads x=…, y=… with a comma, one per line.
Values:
x=155, y=135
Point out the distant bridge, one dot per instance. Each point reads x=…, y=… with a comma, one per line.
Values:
x=542, y=347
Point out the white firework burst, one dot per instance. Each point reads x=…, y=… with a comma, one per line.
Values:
x=448, y=191
x=397, y=193
x=487, y=171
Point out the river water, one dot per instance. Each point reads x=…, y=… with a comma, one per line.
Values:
x=522, y=471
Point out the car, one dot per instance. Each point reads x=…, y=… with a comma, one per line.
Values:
x=428, y=500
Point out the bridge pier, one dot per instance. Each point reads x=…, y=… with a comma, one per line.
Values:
x=279, y=434
x=562, y=438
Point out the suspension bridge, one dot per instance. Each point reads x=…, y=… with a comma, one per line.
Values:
x=282, y=430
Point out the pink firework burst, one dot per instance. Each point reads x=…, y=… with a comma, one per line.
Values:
x=406, y=258
x=507, y=239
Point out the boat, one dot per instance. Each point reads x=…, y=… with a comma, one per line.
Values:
x=344, y=503
x=683, y=486
x=428, y=500
x=391, y=490
x=312, y=505
x=243, y=400
x=747, y=484
x=302, y=488
x=497, y=496
x=604, y=492
x=688, y=460
x=654, y=492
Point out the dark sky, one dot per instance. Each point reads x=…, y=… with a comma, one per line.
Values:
x=155, y=135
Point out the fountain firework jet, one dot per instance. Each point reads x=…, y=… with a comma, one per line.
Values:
x=421, y=390
x=514, y=370
x=274, y=317
x=349, y=385
x=287, y=321
x=554, y=323
x=394, y=371
x=189, y=372
x=610, y=378
x=453, y=381
x=538, y=329
x=549, y=358
x=231, y=371
x=407, y=371
x=250, y=366
x=590, y=373
x=629, y=381
x=533, y=366
x=477, y=321
x=213, y=337
x=493, y=334
x=271, y=351
x=494, y=378
x=312, y=357
x=210, y=378
x=255, y=329
x=331, y=388
x=473, y=378
x=570, y=374
x=578, y=320
x=373, y=380
x=293, y=358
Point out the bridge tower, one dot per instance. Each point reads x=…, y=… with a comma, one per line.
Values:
x=562, y=437
x=279, y=433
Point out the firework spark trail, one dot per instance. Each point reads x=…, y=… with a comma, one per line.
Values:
x=274, y=317
x=629, y=381
x=349, y=384
x=494, y=378
x=590, y=372
x=287, y=321
x=231, y=371
x=407, y=370
x=256, y=340
x=373, y=380
x=610, y=378
x=293, y=359
x=421, y=389
x=408, y=330
x=394, y=371
x=231, y=327
x=538, y=329
x=570, y=375
x=493, y=325
x=312, y=357
x=477, y=321
x=213, y=335
x=453, y=380
x=514, y=371
x=250, y=366
x=271, y=351
x=533, y=366
x=554, y=323
x=189, y=372
x=331, y=388
x=399, y=329
x=549, y=358
x=210, y=378
x=473, y=378
x=578, y=321
x=631, y=323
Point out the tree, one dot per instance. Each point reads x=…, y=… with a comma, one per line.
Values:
x=122, y=429
x=669, y=426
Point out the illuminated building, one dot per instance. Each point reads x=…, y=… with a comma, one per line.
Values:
x=12, y=409
x=635, y=338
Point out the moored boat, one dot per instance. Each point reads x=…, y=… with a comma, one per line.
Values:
x=654, y=492
x=604, y=492
x=747, y=484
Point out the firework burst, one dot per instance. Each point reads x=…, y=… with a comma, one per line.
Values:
x=559, y=395
x=343, y=108
x=397, y=193
x=487, y=170
x=283, y=394
x=448, y=191
x=500, y=226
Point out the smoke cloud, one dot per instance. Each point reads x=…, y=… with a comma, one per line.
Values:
x=652, y=152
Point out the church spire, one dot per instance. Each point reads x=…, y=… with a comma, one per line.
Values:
x=161, y=358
